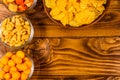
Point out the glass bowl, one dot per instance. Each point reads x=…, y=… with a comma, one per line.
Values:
x=26, y=42
x=26, y=55
x=18, y=12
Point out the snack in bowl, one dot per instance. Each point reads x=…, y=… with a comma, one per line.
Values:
x=19, y=5
x=75, y=12
x=16, y=31
x=16, y=66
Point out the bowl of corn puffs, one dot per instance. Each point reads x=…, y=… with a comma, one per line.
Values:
x=75, y=13
x=16, y=31
x=18, y=6
x=16, y=65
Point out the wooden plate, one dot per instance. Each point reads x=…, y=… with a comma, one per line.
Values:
x=47, y=10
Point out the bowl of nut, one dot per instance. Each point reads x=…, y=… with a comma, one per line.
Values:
x=16, y=31
x=18, y=6
x=16, y=66
x=75, y=13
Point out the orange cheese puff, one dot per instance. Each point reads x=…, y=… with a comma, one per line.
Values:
x=15, y=75
x=27, y=71
x=13, y=69
x=6, y=68
x=2, y=73
x=20, y=54
x=4, y=60
x=29, y=63
x=7, y=76
x=16, y=59
x=18, y=66
x=1, y=65
x=24, y=66
x=13, y=57
x=11, y=63
x=9, y=54
x=24, y=76
x=26, y=58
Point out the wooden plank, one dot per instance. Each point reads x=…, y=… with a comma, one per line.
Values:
x=76, y=57
x=97, y=77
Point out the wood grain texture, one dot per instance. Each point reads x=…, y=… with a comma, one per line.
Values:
x=76, y=57
x=69, y=53
x=44, y=27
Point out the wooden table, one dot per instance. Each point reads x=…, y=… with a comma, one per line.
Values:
x=86, y=53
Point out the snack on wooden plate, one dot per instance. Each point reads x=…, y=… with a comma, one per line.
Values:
x=75, y=12
x=15, y=66
x=15, y=31
x=18, y=5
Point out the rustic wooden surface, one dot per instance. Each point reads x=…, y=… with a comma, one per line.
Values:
x=87, y=53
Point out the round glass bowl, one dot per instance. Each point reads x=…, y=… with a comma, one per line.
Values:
x=17, y=12
x=30, y=36
x=47, y=10
x=10, y=58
